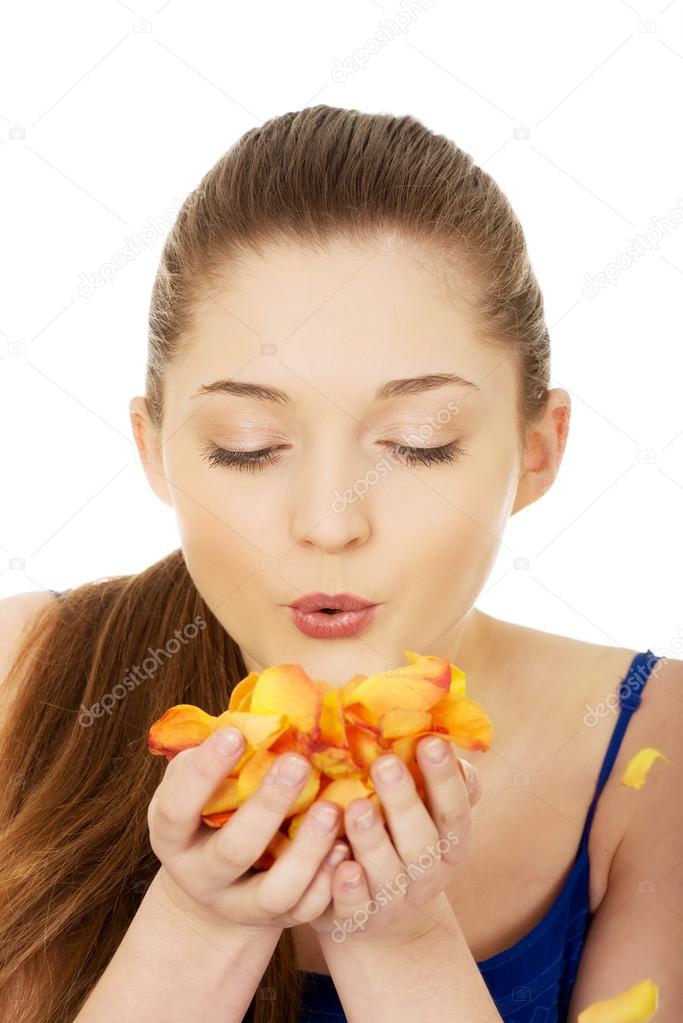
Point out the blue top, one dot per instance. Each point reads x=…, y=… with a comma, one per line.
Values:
x=532, y=980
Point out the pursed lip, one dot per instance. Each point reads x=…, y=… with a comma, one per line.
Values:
x=341, y=601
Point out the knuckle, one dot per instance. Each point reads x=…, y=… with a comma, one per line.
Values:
x=169, y=811
x=225, y=852
x=270, y=903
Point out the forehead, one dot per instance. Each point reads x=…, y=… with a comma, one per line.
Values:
x=348, y=314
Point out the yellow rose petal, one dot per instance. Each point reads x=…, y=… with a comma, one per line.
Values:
x=635, y=774
x=636, y=1005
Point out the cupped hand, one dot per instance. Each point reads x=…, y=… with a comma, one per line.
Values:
x=402, y=867
x=207, y=873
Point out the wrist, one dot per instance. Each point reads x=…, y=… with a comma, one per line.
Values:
x=239, y=938
x=439, y=927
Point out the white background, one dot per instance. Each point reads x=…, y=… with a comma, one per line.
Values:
x=110, y=114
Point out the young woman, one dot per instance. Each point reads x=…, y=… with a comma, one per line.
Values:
x=346, y=393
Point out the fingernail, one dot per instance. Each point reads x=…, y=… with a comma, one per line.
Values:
x=469, y=775
x=294, y=771
x=437, y=751
x=324, y=816
x=366, y=820
x=336, y=855
x=228, y=739
x=390, y=770
x=353, y=882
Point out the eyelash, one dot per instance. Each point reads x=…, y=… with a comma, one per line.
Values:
x=252, y=461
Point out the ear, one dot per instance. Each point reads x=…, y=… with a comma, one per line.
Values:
x=544, y=447
x=148, y=443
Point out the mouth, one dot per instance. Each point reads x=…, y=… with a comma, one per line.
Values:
x=330, y=603
x=335, y=616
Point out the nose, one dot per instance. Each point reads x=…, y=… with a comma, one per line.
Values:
x=330, y=515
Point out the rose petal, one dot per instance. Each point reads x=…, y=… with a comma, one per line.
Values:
x=252, y=773
x=226, y=797
x=259, y=730
x=400, y=722
x=465, y=721
x=217, y=820
x=332, y=726
x=636, y=771
x=287, y=689
x=335, y=762
x=179, y=728
x=240, y=697
x=417, y=687
x=635, y=1005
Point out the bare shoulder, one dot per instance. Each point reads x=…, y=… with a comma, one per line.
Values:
x=17, y=614
x=572, y=692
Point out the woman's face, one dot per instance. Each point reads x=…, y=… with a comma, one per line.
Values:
x=338, y=334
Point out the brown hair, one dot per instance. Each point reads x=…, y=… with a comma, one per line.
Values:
x=74, y=848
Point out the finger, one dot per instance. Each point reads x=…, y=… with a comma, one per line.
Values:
x=448, y=797
x=293, y=871
x=351, y=894
x=318, y=896
x=191, y=778
x=408, y=819
x=243, y=839
x=371, y=845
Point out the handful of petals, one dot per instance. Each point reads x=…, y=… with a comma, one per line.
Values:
x=341, y=730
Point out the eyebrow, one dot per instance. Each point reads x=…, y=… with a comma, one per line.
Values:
x=391, y=389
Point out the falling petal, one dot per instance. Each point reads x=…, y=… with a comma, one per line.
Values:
x=636, y=1005
x=636, y=772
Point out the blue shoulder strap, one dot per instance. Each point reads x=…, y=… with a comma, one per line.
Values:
x=630, y=692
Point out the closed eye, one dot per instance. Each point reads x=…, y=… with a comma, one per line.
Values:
x=253, y=461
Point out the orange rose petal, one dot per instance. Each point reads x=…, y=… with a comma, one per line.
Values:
x=637, y=1004
x=264, y=862
x=335, y=762
x=226, y=797
x=294, y=823
x=432, y=669
x=254, y=770
x=287, y=689
x=364, y=746
x=260, y=730
x=458, y=682
x=179, y=728
x=406, y=747
x=399, y=722
x=465, y=721
x=240, y=697
x=348, y=688
x=307, y=794
x=420, y=684
x=636, y=771
x=332, y=728
x=217, y=820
